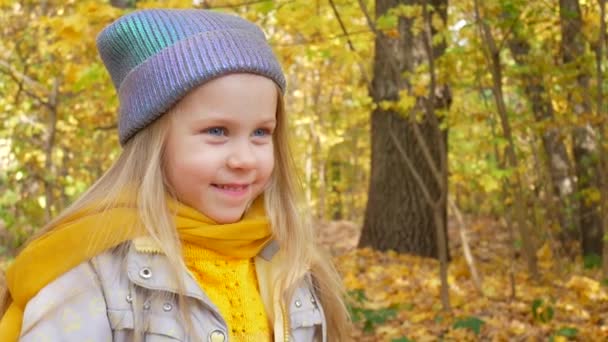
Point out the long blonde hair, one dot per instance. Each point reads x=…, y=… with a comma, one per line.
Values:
x=140, y=167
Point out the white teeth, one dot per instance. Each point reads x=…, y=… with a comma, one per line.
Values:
x=233, y=188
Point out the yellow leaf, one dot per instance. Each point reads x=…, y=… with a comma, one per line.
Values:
x=71, y=73
x=517, y=327
x=419, y=317
x=386, y=105
x=545, y=256
x=406, y=102
x=437, y=22
x=420, y=89
x=586, y=288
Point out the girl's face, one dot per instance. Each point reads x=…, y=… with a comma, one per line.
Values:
x=219, y=151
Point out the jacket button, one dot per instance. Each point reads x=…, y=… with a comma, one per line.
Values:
x=298, y=303
x=147, y=305
x=217, y=336
x=145, y=273
x=129, y=298
x=167, y=307
x=313, y=300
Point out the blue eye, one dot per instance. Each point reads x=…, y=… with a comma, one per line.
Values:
x=260, y=132
x=216, y=131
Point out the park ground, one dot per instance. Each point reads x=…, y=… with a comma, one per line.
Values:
x=395, y=297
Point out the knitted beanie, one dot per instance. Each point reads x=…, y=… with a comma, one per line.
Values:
x=156, y=56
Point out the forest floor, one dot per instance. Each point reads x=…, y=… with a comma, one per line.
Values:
x=395, y=297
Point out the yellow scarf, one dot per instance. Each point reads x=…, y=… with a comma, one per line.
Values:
x=65, y=247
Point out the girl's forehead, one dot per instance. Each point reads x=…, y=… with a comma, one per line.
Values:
x=232, y=94
x=242, y=84
x=227, y=118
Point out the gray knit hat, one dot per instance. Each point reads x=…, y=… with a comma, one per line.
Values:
x=156, y=56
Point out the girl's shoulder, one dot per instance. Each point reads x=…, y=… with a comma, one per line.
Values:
x=97, y=297
x=70, y=306
x=112, y=274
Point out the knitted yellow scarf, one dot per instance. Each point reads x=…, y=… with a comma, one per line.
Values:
x=86, y=234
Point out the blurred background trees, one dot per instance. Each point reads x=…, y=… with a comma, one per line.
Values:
x=497, y=106
x=400, y=110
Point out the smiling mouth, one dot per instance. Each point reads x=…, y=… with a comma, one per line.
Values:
x=231, y=187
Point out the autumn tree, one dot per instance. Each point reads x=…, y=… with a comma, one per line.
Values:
x=58, y=106
x=533, y=77
x=408, y=162
x=585, y=142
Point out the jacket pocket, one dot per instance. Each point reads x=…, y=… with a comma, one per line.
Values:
x=164, y=328
x=306, y=325
x=121, y=319
x=306, y=319
x=121, y=322
x=159, y=328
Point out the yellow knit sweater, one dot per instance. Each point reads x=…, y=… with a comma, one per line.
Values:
x=232, y=286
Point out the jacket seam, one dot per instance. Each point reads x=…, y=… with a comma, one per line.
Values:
x=93, y=269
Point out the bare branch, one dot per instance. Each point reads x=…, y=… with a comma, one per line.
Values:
x=17, y=75
x=350, y=43
x=425, y=151
x=466, y=250
x=507, y=36
x=106, y=128
x=410, y=165
x=25, y=90
x=369, y=20
x=49, y=147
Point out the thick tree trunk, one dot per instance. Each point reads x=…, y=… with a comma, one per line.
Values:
x=584, y=136
x=556, y=156
x=398, y=216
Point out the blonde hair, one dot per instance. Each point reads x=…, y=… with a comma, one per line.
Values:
x=140, y=167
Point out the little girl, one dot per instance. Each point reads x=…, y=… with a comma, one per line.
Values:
x=194, y=233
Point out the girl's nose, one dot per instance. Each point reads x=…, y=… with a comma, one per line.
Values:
x=241, y=157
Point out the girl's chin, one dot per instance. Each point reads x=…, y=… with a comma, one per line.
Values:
x=227, y=220
x=229, y=215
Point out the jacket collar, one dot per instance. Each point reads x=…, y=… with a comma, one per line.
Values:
x=148, y=267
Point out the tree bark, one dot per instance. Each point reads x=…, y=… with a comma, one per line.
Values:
x=398, y=216
x=585, y=149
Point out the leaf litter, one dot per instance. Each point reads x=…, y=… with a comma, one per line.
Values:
x=395, y=297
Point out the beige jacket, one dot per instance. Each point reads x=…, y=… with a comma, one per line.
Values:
x=105, y=298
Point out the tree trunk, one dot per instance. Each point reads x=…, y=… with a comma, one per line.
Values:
x=584, y=136
x=556, y=156
x=398, y=216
